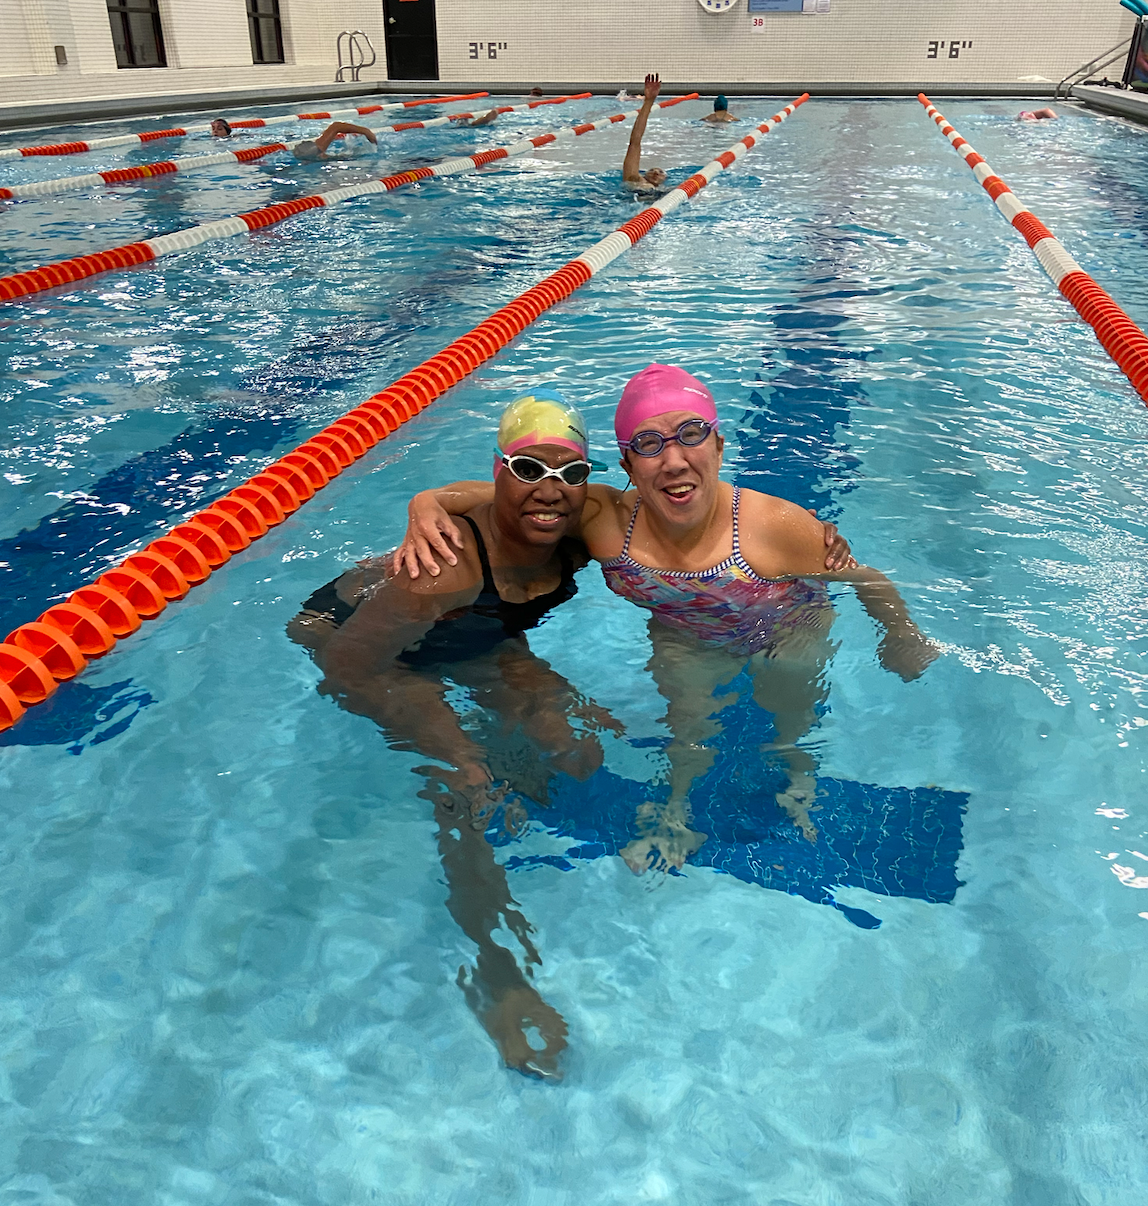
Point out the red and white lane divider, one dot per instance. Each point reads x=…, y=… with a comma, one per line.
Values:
x=67, y=184
x=444, y=121
x=36, y=657
x=239, y=123
x=1122, y=339
x=22, y=284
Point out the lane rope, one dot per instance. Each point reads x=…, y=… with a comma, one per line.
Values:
x=444, y=121
x=36, y=657
x=204, y=127
x=63, y=272
x=1121, y=338
x=67, y=184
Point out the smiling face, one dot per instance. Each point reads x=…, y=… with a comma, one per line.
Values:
x=680, y=484
x=538, y=514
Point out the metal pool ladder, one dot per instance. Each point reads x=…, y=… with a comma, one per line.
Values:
x=356, y=54
x=1110, y=56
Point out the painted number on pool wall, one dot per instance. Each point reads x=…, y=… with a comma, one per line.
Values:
x=491, y=48
x=757, y=24
x=955, y=49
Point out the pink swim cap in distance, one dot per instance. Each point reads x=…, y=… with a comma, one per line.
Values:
x=656, y=390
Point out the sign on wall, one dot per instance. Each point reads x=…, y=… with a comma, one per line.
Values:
x=784, y=6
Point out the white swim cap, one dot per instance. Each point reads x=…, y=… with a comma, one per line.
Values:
x=308, y=149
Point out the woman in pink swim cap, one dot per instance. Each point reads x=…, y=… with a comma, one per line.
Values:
x=733, y=579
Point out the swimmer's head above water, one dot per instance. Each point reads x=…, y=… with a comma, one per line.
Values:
x=720, y=104
x=663, y=425
x=540, y=469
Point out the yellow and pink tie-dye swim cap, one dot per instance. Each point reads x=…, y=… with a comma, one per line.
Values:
x=542, y=417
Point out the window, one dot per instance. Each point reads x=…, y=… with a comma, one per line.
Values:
x=266, y=31
x=136, y=33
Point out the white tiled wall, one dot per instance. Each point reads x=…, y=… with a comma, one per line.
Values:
x=591, y=41
x=206, y=42
x=876, y=41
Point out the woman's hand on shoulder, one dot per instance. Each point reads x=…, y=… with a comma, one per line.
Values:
x=431, y=533
x=779, y=539
x=839, y=555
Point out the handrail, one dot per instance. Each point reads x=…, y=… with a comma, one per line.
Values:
x=1113, y=52
x=353, y=45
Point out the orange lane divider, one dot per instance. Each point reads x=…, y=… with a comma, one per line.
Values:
x=238, y=123
x=64, y=272
x=57, y=645
x=66, y=184
x=1122, y=339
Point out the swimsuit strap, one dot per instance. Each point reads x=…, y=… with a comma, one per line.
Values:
x=630, y=530
x=488, y=587
x=736, y=557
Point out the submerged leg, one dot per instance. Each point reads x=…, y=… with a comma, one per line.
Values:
x=687, y=674
x=496, y=988
x=789, y=683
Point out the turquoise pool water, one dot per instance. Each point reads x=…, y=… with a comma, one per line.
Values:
x=229, y=975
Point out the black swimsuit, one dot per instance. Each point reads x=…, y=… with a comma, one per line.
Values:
x=471, y=631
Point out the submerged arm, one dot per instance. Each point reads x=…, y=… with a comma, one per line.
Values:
x=904, y=649
x=363, y=675
x=781, y=540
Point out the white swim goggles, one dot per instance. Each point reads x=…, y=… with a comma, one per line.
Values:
x=531, y=470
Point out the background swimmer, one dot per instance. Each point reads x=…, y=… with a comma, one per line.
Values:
x=721, y=112
x=632, y=176
x=316, y=148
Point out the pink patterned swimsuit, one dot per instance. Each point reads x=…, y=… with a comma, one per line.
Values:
x=727, y=605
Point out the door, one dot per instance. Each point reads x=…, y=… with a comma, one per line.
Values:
x=412, y=39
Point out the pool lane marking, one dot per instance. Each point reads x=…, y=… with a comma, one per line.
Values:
x=67, y=184
x=36, y=657
x=128, y=255
x=204, y=127
x=1121, y=338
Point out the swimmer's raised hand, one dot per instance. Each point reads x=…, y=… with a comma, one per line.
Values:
x=430, y=530
x=653, y=86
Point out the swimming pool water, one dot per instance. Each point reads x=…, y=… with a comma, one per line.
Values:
x=229, y=971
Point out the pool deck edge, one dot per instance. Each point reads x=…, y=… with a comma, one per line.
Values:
x=1117, y=102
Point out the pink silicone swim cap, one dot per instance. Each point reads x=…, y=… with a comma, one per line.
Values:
x=656, y=390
